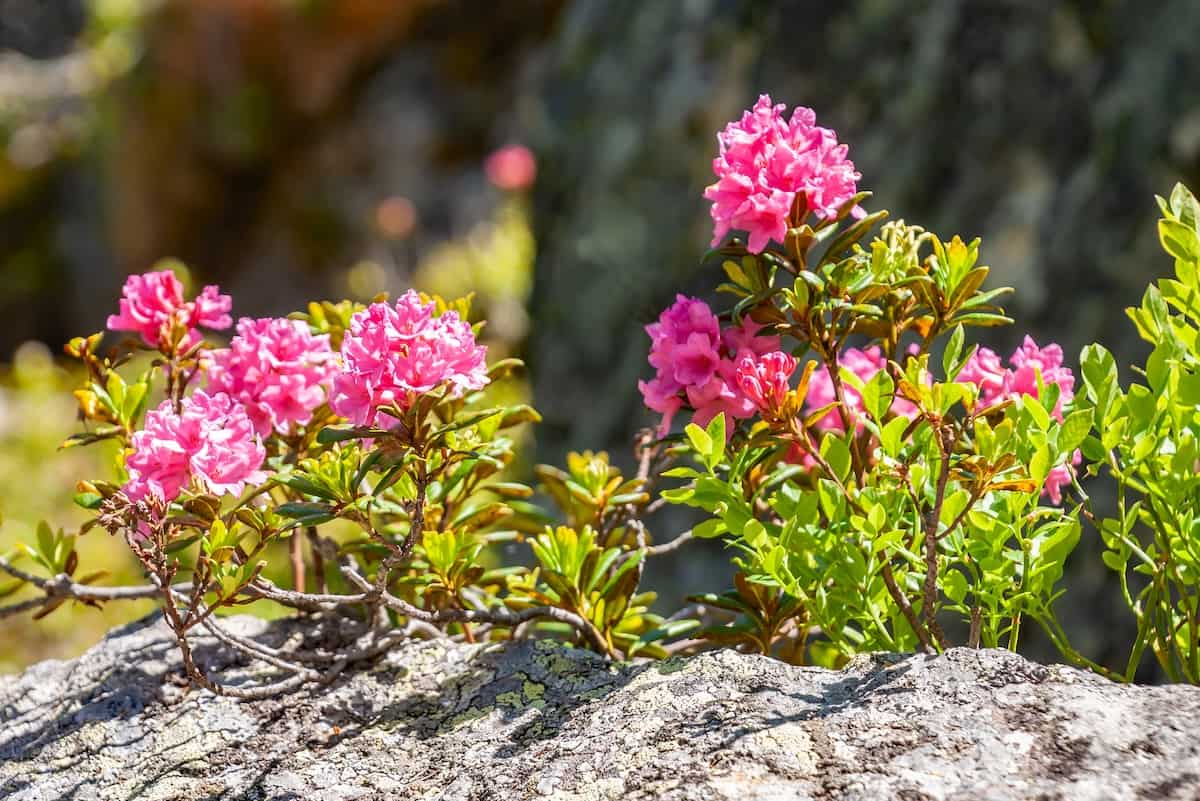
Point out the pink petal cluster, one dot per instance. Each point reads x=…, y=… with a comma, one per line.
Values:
x=864, y=364
x=210, y=442
x=997, y=382
x=1029, y=362
x=695, y=362
x=764, y=161
x=511, y=168
x=277, y=369
x=151, y=302
x=391, y=354
x=765, y=379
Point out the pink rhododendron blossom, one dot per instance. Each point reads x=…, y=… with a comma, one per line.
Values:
x=210, y=444
x=997, y=382
x=985, y=370
x=720, y=394
x=765, y=379
x=864, y=364
x=512, y=167
x=1027, y=364
x=745, y=338
x=277, y=369
x=765, y=161
x=154, y=300
x=390, y=354
x=695, y=363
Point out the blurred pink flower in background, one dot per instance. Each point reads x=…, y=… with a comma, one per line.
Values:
x=277, y=369
x=211, y=441
x=764, y=162
x=511, y=168
x=390, y=354
x=154, y=299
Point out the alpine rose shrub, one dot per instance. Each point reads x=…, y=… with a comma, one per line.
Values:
x=391, y=354
x=277, y=369
x=869, y=504
x=695, y=363
x=154, y=301
x=210, y=441
x=765, y=161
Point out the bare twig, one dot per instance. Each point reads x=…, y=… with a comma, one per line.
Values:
x=670, y=545
x=503, y=617
x=308, y=601
x=57, y=589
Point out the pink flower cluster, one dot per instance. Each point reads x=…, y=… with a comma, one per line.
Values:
x=997, y=383
x=153, y=301
x=695, y=363
x=764, y=162
x=765, y=380
x=864, y=364
x=211, y=441
x=277, y=369
x=390, y=354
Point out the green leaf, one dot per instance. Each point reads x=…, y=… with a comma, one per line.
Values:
x=1074, y=430
x=877, y=395
x=680, y=472
x=1115, y=561
x=332, y=434
x=701, y=441
x=954, y=584
x=950, y=357
x=716, y=434
x=890, y=436
x=669, y=630
x=837, y=454
x=299, y=509
x=515, y=415
x=754, y=534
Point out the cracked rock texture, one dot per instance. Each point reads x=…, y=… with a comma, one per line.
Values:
x=436, y=720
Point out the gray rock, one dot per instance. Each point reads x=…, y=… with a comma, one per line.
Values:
x=534, y=720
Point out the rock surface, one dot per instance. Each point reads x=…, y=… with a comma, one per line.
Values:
x=536, y=720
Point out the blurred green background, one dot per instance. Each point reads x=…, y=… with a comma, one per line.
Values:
x=299, y=149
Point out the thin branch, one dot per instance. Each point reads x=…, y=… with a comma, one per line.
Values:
x=671, y=545
x=61, y=588
x=309, y=601
x=25, y=606
x=21, y=575
x=503, y=617
x=929, y=595
x=889, y=579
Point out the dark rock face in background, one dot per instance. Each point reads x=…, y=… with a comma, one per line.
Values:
x=256, y=140
x=435, y=720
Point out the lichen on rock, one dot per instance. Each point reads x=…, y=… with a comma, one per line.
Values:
x=439, y=720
